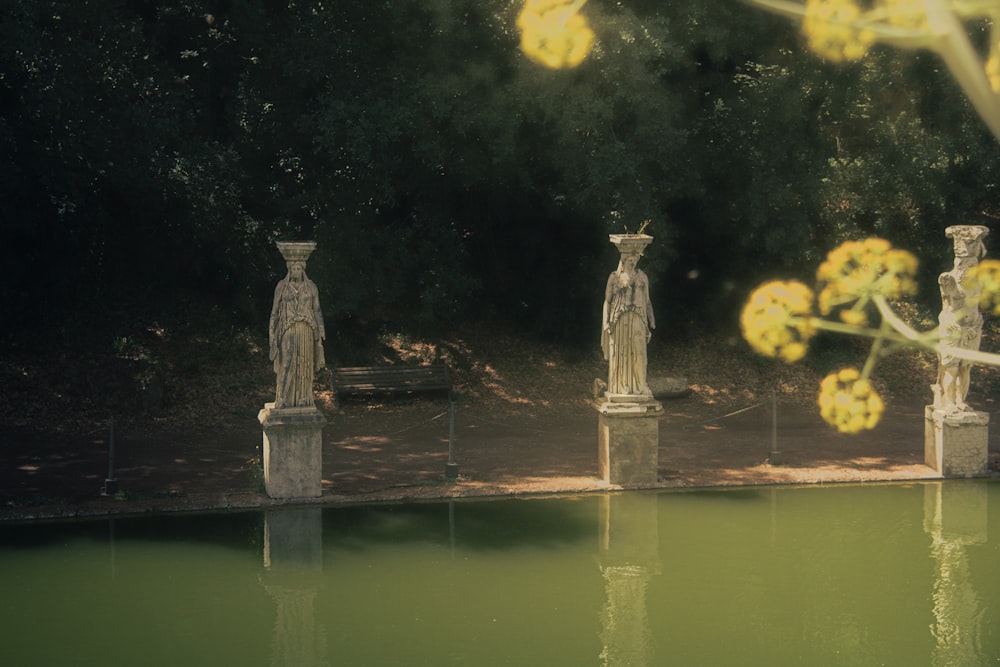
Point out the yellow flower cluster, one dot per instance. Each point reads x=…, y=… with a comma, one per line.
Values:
x=856, y=270
x=910, y=14
x=848, y=402
x=553, y=33
x=984, y=280
x=776, y=320
x=830, y=27
x=993, y=61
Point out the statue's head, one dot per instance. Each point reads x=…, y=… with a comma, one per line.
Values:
x=296, y=270
x=629, y=260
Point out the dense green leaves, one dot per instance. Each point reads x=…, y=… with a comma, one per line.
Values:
x=152, y=149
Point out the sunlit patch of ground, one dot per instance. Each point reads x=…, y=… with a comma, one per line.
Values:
x=860, y=469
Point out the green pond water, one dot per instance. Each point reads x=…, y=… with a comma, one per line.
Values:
x=844, y=575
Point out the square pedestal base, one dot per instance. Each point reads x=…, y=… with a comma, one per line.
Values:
x=628, y=442
x=293, y=451
x=956, y=444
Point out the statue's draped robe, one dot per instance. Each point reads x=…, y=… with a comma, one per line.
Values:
x=960, y=327
x=958, y=331
x=296, y=333
x=630, y=318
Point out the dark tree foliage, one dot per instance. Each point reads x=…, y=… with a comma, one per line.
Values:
x=151, y=152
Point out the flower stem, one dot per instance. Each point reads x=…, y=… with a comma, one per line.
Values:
x=873, y=354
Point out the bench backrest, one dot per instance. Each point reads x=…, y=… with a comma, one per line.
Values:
x=392, y=378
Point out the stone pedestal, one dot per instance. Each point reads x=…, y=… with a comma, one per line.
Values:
x=628, y=441
x=293, y=451
x=956, y=444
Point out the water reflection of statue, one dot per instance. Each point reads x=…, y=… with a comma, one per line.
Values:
x=628, y=531
x=956, y=518
x=960, y=324
x=293, y=576
x=627, y=321
x=296, y=331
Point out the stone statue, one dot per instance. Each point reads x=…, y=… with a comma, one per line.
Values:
x=960, y=324
x=627, y=321
x=296, y=331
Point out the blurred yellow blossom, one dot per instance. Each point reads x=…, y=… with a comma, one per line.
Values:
x=993, y=61
x=846, y=29
x=857, y=270
x=848, y=402
x=984, y=280
x=860, y=276
x=829, y=27
x=910, y=14
x=553, y=33
x=776, y=320
x=856, y=317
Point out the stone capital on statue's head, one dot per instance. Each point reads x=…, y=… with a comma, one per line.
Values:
x=968, y=239
x=296, y=251
x=630, y=243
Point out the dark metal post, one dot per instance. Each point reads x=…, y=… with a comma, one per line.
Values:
x=110, y=483
x=775, y=456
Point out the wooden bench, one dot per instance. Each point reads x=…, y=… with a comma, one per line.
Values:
x=400, y=380
x=391, y=380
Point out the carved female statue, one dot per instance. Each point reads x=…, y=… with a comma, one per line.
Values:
x=959, y=327
x=960, y=324
x=627, y=324
x=296, y=336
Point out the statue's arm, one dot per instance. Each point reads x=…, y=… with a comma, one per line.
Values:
x=609, y=293
x=650, y=316
x=647, y=305
x=318, y=314
x=272, y=327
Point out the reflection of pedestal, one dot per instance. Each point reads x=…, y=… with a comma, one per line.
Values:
x=293, y=562
x=956, y=444
x=293, y=451
x=628, y=441
x=628, y=528
x=293, y=541
x=957, y=512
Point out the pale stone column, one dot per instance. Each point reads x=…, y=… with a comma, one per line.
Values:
x=960, y=322
x=293, y=426
x=628, y=422
x=956, y=437
x=627, y=321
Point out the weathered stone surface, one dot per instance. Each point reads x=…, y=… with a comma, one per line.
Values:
x=293, y=451
x=668, y=387
x=956, y=444
x=960, y=324
x=296, y=331
x=293, y=427
x=627, y=321
x=628, y=442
